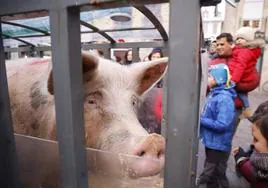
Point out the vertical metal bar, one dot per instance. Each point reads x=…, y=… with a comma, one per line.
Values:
x=67, y=76
x=183, y=93
x=107, y=53
x=8, y=159
x=135, y=55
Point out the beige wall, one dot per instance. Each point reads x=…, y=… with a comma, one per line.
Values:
x=232, y=17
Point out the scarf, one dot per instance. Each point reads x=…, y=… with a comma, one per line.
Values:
x=260, y=162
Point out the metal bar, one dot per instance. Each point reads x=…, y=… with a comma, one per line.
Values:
x=26, y=27
x=231, y=3
x=107, y=53
x=20, y=49
x=106, y=4
x=15, y=38
x=15, y=6
x=67, y=76
x=135, y=55
x=105, y=30
x=146, y=12
x=98, y=46
x=98, y=31
x=125, y=45
x=8, y=158
x=183, y=93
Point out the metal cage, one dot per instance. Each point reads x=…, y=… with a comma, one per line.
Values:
x=183, y=81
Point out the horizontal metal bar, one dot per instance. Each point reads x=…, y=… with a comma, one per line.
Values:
x=105, y=30
x=16, y=6
x=11, y=7
x=25, y=16
x=97, y=30
x=26, y=27
x=106, y=4
x=19, y=49
x=96, y=46
x=126, y=45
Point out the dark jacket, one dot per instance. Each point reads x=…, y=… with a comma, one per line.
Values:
x=217, y=119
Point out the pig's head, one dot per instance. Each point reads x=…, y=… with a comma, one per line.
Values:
x=112, y=95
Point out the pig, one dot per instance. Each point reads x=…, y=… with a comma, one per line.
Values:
x=112, y=95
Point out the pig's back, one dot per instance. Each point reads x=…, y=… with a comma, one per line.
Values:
x=28, y=94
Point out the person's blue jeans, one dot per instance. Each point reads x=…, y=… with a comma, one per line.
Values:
x=244, y=98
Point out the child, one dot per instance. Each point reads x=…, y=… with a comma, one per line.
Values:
x=253, y=165
x=245, y=54
x=216, y=126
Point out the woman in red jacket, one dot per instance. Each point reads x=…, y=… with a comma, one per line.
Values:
x=253, y=165
x=243, y=64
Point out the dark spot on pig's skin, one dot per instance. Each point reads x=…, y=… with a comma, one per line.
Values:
x=37, y=99
x=35, y=125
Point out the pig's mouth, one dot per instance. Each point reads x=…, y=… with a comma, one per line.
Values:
x=143, y=166
x=143, y=160
x=124, y=165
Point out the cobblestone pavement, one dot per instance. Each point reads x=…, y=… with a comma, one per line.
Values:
x=242, y=138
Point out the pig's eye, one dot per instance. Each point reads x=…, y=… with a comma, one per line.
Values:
x=93, y=98
x=135, y=101
x=91, y=101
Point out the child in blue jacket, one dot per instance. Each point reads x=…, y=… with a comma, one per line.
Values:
x=217, y=126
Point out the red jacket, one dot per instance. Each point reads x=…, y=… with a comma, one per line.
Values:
x=248, y=172
x=243, y=64
x=243, y=67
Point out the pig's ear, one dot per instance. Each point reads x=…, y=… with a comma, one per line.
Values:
x=149, y=73
x=90, y=64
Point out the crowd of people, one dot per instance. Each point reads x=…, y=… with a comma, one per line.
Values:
x=232, y=74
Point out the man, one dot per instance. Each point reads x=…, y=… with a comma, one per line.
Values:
x=224, y=45
x=224, y=50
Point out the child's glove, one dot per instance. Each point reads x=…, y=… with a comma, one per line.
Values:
x=240, y=155
x=250, y=150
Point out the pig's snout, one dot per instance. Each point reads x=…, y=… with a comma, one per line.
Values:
x=150, y=156
x=152, y=147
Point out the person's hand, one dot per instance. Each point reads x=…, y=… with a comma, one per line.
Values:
x=235, y=150
x=239, y=155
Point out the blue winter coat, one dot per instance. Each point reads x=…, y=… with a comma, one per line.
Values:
x=218, y=119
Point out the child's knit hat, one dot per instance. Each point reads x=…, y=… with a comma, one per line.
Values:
x=220, y=72
x=261, y=111
x=247, y=33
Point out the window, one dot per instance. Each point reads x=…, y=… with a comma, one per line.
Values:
x=245, y=22
x=205, y=14
x=215, y=28
x=255, y=23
